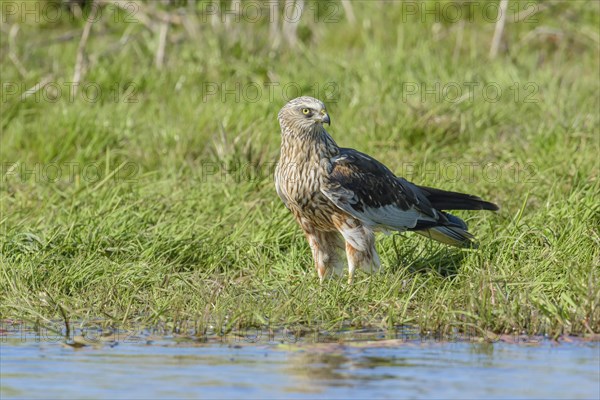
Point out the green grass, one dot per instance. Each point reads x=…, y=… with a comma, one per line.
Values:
x=166, y=213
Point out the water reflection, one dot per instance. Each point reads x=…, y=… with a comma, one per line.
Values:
x=374, y=369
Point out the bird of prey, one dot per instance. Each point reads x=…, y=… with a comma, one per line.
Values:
x=341, y=195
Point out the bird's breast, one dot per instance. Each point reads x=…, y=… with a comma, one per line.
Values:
x=299, y=184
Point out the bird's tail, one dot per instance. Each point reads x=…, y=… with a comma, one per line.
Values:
x=446, y=200
x=454, y=232
x=452, y=235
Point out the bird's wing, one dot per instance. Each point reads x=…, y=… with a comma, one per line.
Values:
x=369, y=191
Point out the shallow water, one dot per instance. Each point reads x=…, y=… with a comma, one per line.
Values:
x=168, y=368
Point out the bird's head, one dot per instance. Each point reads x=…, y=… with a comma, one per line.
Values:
x=304, y=114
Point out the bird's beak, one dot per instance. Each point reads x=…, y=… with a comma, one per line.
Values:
x=325, y=118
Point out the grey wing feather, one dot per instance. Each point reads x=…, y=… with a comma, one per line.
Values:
x=366, y=189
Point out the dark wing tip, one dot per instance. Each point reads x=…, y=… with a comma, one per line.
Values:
x=486, y=205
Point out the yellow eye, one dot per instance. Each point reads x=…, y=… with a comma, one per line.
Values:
x=305, y=111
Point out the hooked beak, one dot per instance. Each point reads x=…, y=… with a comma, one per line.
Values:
x=325, y=118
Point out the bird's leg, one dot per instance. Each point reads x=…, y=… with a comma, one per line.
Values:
x=360, y=246
x=367, y=260
x=337, y=260
x=351, y=255
x=326, y=248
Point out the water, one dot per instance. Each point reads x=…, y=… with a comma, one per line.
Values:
x=392, y=369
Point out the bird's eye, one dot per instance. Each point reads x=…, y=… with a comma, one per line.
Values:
x=305, y=111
